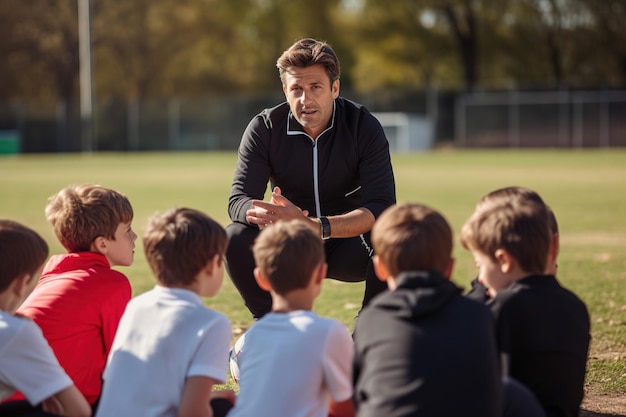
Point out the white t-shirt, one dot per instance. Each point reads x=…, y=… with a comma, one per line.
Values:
x=291, y=364
x=27, y=363
x=164, y=336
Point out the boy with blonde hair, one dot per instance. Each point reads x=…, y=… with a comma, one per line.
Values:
x=293, y=362
x=422, y=348
x=26, y=361
x=542, y=329
x=170, y=350
x=79, y=299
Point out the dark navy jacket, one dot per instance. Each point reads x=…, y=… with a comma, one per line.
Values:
x=425, y=350
x=544, y=331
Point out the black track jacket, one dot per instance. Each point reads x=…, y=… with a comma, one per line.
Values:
x=347, y=167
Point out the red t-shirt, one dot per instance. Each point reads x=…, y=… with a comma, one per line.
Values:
x=78, y=303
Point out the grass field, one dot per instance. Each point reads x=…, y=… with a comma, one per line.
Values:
x=586, y=189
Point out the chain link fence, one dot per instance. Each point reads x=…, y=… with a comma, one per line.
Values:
x=561, y=119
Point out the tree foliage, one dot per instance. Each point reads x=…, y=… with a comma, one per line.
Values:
x=159, y=48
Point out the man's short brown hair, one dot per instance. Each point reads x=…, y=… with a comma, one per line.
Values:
x=22, y=251
x=307, y=52
x=81, y=213
x=521, y=227
x=412, y=237
x=287, y=253
x=180, y=242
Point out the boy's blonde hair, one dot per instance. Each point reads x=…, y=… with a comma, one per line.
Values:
x=22, y=251
x=180, y=242
x=521, y=227
x=412, y=237
x=287, y=253
x=81, y=213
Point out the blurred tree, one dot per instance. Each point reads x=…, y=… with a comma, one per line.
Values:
x=608, y=20
x=429, y=33
x=39, y=46
x=462, y=18
x=160, y=48
x=271, y=26
x=404, y=45
x=164, y=47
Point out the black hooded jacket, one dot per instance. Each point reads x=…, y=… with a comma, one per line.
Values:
x=425, y=350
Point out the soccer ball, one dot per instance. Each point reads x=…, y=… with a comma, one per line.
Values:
x=235, y=352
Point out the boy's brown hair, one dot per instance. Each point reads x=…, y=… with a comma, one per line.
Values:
x=81, y=213
x=521, y=227
x=523, y=193
x=180, y=242
x=412, y=237
x=22, y=251
x=287, y=253
x=307, y=52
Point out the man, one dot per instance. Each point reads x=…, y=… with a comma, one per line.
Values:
x=327, y=160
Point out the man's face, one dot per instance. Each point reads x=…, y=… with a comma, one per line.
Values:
x=310, y=96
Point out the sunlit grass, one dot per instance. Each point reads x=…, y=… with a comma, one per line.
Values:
x=586, y=189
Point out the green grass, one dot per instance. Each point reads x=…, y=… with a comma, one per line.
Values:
x=586, y=189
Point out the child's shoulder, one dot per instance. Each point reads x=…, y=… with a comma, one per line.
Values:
x=11, y=326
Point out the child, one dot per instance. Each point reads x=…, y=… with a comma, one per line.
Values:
x=542, y=329
x=26, y=361
x=479, y=291
x=293, y=361
x=170, y=349
x=422, y=348
x=79, y=299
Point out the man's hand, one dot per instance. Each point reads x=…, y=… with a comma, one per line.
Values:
x=278, y=208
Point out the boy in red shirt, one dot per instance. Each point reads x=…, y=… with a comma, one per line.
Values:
x=79, y=299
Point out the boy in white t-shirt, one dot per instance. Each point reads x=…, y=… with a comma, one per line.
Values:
x=169, y=349
x=292, y=362
x=27, y=363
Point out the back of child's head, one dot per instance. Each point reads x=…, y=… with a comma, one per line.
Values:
x=519, y=226
x=517, y=192
x=81, y=213
x=180, y=242
x=22, y=251
x=412, y=237
x=287, y=253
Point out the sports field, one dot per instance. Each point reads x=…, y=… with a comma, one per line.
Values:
x=585, y=188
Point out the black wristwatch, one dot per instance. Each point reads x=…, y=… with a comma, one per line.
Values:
x=325, y=228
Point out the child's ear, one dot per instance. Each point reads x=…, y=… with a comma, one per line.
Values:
x=381, y=270
x=447, y=273
x=99, y=245
x=21, y=285
x=213, y=264
x=320, y=272
x=260, y=279
x=504, y=260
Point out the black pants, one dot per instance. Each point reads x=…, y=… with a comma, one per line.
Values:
x=349, y=260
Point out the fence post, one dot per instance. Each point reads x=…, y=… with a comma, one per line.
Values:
x=605, y=122
x=578, y=121
x=459, y=120
x=173, y=110
x=514, y=135
x=133, y=124
x=61, y=115
x=564, y=122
